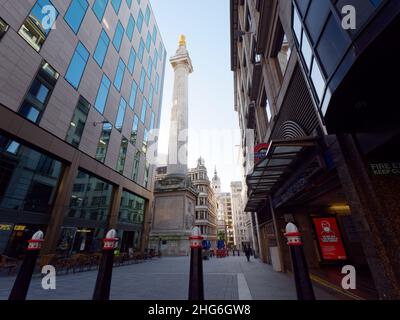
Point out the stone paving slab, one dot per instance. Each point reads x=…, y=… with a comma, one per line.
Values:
x=168, y=279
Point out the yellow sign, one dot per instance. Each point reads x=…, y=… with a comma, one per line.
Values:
x=19, y=228
x=5, y=227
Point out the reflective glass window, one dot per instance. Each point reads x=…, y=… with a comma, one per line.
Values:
x=99, y=8
x=77, y=65
x=75, y=14
x=104, y=140
x=102, y=94
x=101, y=48
x=78, y=122
x=39, y=23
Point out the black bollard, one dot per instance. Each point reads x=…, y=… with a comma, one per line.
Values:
x=196, y=286
x=23, y=280
x=302, y=279
x=104, y=276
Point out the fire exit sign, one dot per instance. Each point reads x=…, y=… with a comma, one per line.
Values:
x=385, y=168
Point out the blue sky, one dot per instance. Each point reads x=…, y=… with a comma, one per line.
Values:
x=205, y=23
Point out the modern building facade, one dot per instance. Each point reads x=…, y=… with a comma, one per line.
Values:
x=323, y=115
x=206, y=206
x=81, y=85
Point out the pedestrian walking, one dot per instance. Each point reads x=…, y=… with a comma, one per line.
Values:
x=247, y=251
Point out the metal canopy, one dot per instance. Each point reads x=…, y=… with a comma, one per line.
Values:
x=280, y=159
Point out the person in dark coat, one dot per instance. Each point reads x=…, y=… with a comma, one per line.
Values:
x=247, y=251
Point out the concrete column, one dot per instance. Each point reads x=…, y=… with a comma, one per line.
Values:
x=61, y=204
x=367, y=213
x=178, y=139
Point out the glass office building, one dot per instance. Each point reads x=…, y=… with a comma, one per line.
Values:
x=74, y=80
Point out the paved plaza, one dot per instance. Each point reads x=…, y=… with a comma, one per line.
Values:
x=231, y=278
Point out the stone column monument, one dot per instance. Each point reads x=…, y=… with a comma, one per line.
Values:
x=174, y=196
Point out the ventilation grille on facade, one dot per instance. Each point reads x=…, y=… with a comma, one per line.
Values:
x=297, y=117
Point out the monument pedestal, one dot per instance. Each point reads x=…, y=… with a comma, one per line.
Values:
x=173, y=216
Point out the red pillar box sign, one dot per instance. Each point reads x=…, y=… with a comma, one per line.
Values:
x=293, y=235
x=110, y=240
x=35, y=244
x=196, y=238
x=329, y=239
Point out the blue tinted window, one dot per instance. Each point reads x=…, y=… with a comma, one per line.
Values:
x=130, y=28
x=140, y=21
x=155, y=63
x=155, y=60
x=29, y=112
x=148, y=41
x=75, y=14
x=376, y=3
x=149, y=68
x=132, y=60
x=99, y=7
x=77, y=65
x=142, y=80
x=135, y=125
x=132, y=98
x=129, y=3
x=154, y=34
x=119, y=75
x=116, y=4
x=101, y=48
x=144, y=110
x=151, y=95
x=119, y=33
x=121, y=115
x=141, y=50
x=152, y=121
x=147, y=15
x=39, y=93
x=160, y=50
x=157, y=82
x=102, y=94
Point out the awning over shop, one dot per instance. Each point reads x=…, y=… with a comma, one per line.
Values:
x=281, y=157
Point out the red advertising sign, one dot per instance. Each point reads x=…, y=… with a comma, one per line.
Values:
x=260, y=151
x=329, y=239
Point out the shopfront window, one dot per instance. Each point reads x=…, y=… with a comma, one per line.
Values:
x=91, y=198
x=28, y=178
x=74, y=240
